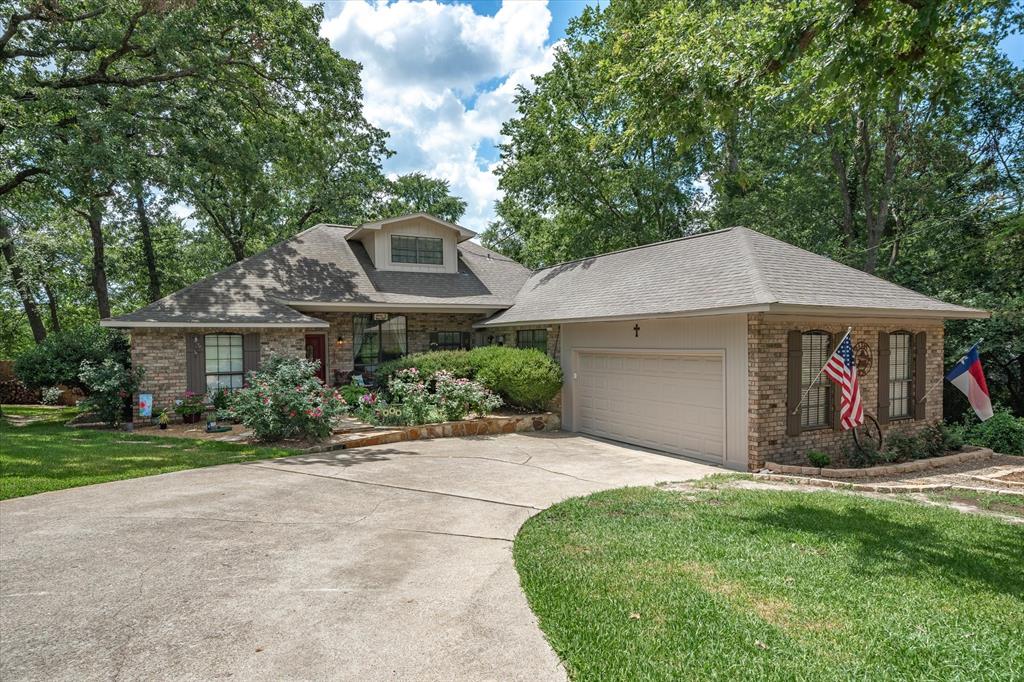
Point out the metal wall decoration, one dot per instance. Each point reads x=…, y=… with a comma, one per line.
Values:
x=862, y=354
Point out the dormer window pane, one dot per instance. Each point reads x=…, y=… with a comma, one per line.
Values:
x=419, y=250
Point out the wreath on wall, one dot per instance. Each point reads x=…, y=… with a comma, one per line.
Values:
x=862, y=353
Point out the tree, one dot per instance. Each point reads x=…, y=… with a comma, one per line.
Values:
x=573, y=185
x=418, y=193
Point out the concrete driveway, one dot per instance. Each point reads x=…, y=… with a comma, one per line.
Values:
x=391, y=562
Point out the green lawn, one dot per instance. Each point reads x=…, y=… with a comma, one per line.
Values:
x=46, y=455
x=642, y=584
x=997, y=502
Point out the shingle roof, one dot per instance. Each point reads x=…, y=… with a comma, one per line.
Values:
x=321, y=266
x=735, y=268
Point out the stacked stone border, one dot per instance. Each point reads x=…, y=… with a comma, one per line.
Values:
x=483, y=426
x=880, y=487
x=884, y=470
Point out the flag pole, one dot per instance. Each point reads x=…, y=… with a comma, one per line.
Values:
x=943, y=377
x=815, y=379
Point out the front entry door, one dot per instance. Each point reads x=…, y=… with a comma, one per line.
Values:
x=316, y=350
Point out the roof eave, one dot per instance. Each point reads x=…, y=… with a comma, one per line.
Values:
x=115, y=323
x=321, y=306
x=953, y=313
x=706, y=312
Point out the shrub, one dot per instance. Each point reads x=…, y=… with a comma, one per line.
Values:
x=862, y=457
x=901, y=447
x=285, y=399
x=523, y=377
x=818, y=458
x=50, y=395
x=58, y=359
x=1002, y=432
x=352, y=392
x=424, y=399
x=938, y=439
x=111, y=386
x=191, y=404
x=458, y=362
x=458, y=396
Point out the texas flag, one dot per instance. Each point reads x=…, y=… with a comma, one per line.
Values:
x=968, y=377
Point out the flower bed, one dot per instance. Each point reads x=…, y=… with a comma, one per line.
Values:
x=883, y=470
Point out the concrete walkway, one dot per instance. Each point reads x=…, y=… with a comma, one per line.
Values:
x=391, y=562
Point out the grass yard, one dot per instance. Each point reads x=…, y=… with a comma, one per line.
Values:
x=46, y=455
x=647, y=584
x=997, y=502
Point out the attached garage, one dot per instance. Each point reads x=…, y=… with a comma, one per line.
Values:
x=666, y=400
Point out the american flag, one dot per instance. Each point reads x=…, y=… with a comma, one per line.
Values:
x=841, y=369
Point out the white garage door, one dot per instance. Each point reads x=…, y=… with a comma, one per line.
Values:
x=673, y=402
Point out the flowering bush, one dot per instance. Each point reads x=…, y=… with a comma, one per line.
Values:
x=419, y=399
x=458, y=396
x=50, y=395
x=111, y=385
x=285, y=399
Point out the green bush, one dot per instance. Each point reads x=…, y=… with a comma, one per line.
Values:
x=285, y=399
x=111, y=386
x=1002, y=432
x=523, y=377
x=58, y=359
x=352, y=392
x=818, y=458
x=901, y=447
x=938, y=439
x=862, y=457
x=458, y=362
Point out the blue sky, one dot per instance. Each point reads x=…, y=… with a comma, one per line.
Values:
x=440, y=77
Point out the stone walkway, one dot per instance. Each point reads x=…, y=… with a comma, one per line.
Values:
x=997, y=473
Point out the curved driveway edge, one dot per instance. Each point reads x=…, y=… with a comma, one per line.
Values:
x=390, y=562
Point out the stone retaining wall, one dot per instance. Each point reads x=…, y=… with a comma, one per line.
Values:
x=885, y=470
x=469, y=427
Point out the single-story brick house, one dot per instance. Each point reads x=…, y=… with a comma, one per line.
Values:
x=694, y=346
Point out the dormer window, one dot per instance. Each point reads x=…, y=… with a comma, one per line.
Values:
x=418, y=250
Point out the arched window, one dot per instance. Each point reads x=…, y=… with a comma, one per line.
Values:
x=816, y=410
x=901, y=375
x=223, y=361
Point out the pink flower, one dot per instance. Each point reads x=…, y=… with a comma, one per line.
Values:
x=292, y=413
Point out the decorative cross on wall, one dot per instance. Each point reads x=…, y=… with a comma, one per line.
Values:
x=636, y=330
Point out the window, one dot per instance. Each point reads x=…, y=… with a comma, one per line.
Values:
x=420, y=250
x=816, y=410
x=450, y=341
x=223, y=361
x=532, y=338
x=900, y=375
x=378, y=338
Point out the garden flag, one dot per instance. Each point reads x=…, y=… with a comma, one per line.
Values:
x=841, y=369
x=968, y=377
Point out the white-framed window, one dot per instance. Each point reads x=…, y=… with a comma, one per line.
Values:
x=901, y=375
x=224, y=361
x=419, y=250
x=816, y=410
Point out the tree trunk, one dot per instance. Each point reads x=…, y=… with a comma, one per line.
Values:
x=845, y=197
x=51, y=301
x=18, y=279
x=99, y=259
x=148, y=252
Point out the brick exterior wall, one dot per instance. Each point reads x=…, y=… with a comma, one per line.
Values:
x=161, y=351
x=767, y=360
x=492, y=334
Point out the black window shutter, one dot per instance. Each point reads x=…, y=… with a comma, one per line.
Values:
x=250, y=352
x=195, y=363
x=882, y=362
x=920, y=378
x=467, y=340
x=434, y=341
x=793, y=382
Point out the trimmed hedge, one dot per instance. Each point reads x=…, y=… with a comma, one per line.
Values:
x=523, y=377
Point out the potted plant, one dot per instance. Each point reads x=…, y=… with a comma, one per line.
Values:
x=190, y=408
x=163, y=419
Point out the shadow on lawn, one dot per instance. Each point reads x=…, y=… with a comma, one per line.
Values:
x=887, y=545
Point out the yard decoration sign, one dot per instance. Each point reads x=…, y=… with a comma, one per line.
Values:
x=145, y=404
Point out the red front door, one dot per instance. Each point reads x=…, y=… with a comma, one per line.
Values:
x=316, y=350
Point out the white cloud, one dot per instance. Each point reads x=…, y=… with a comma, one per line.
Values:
x=423, y=62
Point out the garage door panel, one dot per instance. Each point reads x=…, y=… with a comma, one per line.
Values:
x=671, y=402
